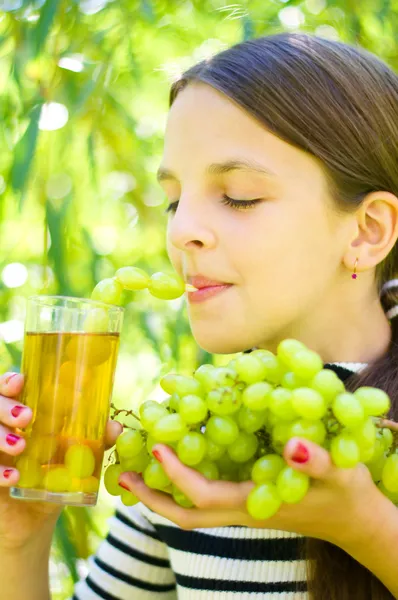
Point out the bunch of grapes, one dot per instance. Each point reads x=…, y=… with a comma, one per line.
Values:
x=232, y=423
x=160, y=285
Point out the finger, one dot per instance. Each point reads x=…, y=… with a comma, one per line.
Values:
x=10, y=442
x=8, y=476
x=309, y=458
x=112, y=432
x=389, y=424
x=14, y=414
x=11, y=384
x=203, y=492
x=164, y=505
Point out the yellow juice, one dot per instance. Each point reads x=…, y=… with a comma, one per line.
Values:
x=68, y=386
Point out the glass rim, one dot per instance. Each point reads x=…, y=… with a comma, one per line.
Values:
x=43, y=301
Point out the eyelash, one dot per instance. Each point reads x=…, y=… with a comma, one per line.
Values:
x=245, y=204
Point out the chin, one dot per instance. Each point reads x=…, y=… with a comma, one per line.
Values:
x=214, y=345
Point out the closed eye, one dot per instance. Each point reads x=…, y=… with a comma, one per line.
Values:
x=245, y=204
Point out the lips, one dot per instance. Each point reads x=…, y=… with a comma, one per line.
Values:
x=200, y=281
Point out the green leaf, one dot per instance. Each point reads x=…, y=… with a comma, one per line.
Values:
x=248, y=28
x=63, y=541
x=24, y=153
x=43, y=27
x=56, y=224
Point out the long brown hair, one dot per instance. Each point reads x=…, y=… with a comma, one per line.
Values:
x=340, y=104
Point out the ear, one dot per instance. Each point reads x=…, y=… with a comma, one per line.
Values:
x=377, y=230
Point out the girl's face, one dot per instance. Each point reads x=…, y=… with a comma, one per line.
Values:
x=283, y=255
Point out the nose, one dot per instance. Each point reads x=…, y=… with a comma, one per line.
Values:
x=190, y=227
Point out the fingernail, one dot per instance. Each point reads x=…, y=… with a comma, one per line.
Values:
x=157, y=455
x=123, y=485
x=300, y=454
x=8, y=379
x=7, y=473
x=16, y=411
x=12, y=439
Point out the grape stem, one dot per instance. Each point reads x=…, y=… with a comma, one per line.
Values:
x=117, y=411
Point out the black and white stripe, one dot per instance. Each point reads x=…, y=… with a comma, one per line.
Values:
x=147, y=557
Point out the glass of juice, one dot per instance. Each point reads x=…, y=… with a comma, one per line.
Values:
x=69, y=360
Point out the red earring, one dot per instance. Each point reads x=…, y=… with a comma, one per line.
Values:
x=354, y=275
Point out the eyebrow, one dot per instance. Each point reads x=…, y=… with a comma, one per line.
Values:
x=164, y=174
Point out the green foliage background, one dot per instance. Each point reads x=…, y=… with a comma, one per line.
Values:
x=79, y=201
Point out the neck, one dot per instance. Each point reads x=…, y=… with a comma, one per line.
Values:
x=362, y=336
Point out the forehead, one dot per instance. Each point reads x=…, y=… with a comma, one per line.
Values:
x=204, y=126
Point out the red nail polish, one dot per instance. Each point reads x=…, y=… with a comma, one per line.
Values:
x=12, y=439
x=8, y=379
x=7, y=473
x=157, y=455
x=301, y=454
x=123, y=485
x=16, y=411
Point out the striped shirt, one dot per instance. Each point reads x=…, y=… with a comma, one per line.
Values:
x=147, y=557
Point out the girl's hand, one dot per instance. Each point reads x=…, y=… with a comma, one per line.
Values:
x=21, y=521
x=340, y=507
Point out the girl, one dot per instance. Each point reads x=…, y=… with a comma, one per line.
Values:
x=280, y=165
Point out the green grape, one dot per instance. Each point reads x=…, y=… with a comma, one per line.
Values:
x=375, y=402
x=96, y=321
x=155, y=476
x=214, y=451
x=203, y=374
x=393, y=496
x=165, y=286
x=250, y=369
x=192, y=409
x=388, y=438
x=30, y=474
x=344, y=451
x=308, y=403
x=243, y=448
x=287, y=349
x=222, y=377
x=170, y=428
x=191, y=449
x=267, y=468
x=306, y=364
x=208, y=469
x=80, y=460
x=263, y=501
x=88, y=485
x=108, y=290
x=376, y=467
x=292, y=485
x=348, y=410
x=291, y=381
x=379, y=449
x=136, y=463
x=132, y=278
x=185, y=386
x=166, y=403
x=150, y=442
x=274, y=370
x=128, y=498
x=327, y=383
x=111, y=479
x=249, y=420
x=280, y=404
x=228, y=468
x=174, y=403
x=389, y=475
x=365, y=434
x=245, y=470
x=150, y=413
x=281, y=433
x=181, y=498
x=222, y=430
x=129, y=443
x=224, y=401
x=310, y=430
x=57, y=479
x=256, y=396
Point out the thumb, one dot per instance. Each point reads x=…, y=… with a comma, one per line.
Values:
x=309, y=458
x=112, y=432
